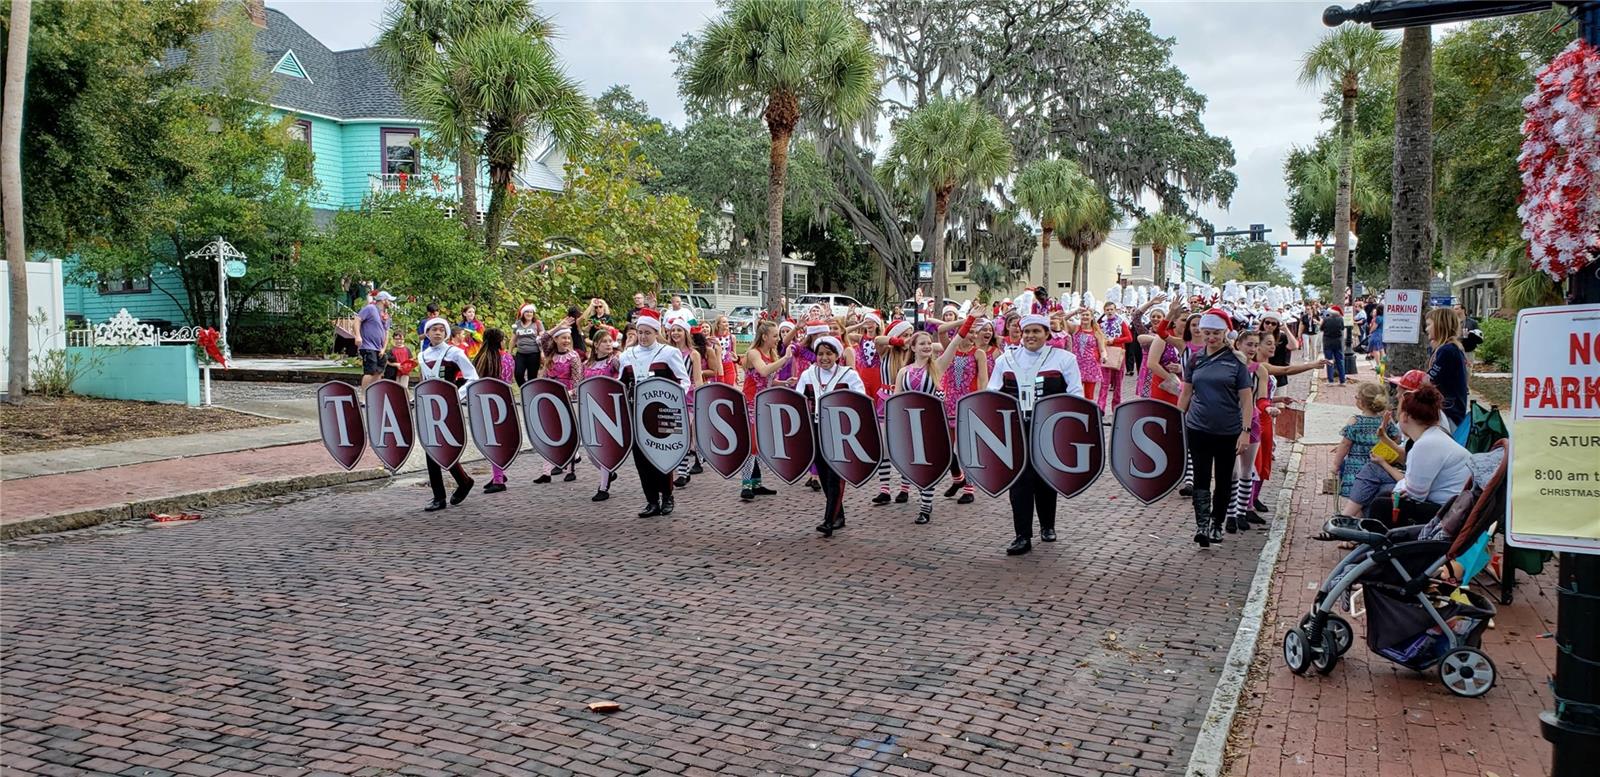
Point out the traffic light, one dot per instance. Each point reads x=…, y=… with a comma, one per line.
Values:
x=1318, y=246
x=1283, y=248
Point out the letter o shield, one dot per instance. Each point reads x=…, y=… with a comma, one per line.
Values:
x=604, y=426
x=989, y=440
x=339, y=420
x=1064, y=443
x=441, y=429
x=492, y=419
x=547, y=413
x=389, y=427
x=1147, y=448
x=917, y=436
x=721, y=429
x=848, y=435
x=660, y=427
x=784, y=440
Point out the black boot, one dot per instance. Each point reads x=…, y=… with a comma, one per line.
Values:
x=1202, y=517
x=761, y=490
x=667, y=504
x=923, y=516
x=747, y=494
x=881, y=499
x=955, y=485
x=461, y=492
x=600, y=496
x=1186, y=491
x=902, y=497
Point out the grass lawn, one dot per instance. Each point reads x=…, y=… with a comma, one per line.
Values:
x=1496, y=391
x=52, y=424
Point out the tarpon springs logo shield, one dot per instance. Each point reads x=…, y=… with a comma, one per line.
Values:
x=848, y=435
x=441, y=430
x=1147, y=448
x=603, y=425
x=339, y=420
x=659, y=425
x=1064, y=443
x=917, y=436
x=989, y=440
x=548, y=415
x=389, y=428
x=721, y=430
x=492, y=418
x=784, y=440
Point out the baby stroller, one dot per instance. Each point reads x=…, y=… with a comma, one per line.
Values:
x=1413, y=618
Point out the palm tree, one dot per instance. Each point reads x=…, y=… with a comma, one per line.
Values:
x=1161, y=231
x=1059, y=196
x=1085, y=232
x=11, y=194
x=1346, y=56
x=501, y=85
x=990, y=276
x=788, y=59
x=946, y=144
x=1411, y=231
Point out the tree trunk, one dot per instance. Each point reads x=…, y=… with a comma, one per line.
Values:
x=1047, y=231
x=467, y=177
x=1341, y=206
x=494, y=220
x=782, y=114
x=11, y=197
x=1410, y=237
x=1158, y=273
x=941, y=212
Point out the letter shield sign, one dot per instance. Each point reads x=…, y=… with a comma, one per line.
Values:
x=917, y=436
x=441, y=429
x=847, y=435
x=1064, y=443
x=659, y=426
x=784, y=441
x=547, y=413
x=721, y=430
x=492, y=419
x=1147, y=448
x=603, y=425
x=339, y=420
x=989, y=440
x=389, y=428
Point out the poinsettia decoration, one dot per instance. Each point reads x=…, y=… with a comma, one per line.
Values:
x=1560, y=163
x=211, y=341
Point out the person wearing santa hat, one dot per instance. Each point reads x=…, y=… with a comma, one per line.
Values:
x=1218, y=403
x=526, y=334
x=894, y=353
x=680, y=330
x=828, y=374
x=442, y=360
x=962, y=370
x=761, y=363
x=652, y=358
x=1031, y=372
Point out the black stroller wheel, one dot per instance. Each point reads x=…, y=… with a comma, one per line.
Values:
x=1343, y=635
x=1467, y=671
x=1326, y=657
x=1296, y=651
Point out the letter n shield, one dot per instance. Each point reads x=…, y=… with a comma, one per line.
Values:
x=1065, y=443
x=784, y=439
x=848, y=435
x=339, y=420
x=989, y=440
x=441, y=428
x=917, y=436
x=721, y=429
x=604, y=427
x=1147, y=448
x=660, y=427
x=547, y=413
x=389, y=428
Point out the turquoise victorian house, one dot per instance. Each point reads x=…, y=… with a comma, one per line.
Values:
x=361, y=134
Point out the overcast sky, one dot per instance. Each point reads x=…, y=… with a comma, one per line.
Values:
x=1243, y=56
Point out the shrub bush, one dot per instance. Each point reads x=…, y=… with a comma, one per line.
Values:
x=1496, y=346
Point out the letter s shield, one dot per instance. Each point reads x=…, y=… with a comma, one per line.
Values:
x=1147, y=448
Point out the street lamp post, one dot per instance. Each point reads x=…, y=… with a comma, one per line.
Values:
x=917, y=244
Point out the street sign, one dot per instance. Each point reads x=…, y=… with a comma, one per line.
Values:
x=1402, y=316
x=924, y=271
x=1554, y=499
x=234, y=268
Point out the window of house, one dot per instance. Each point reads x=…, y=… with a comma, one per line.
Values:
x=1063, y=285
x=398, y=154
x=124, y=283
x=1136, y=256
x=961, y=287
x=958, y=265
x=300, y=132
x=289, y=65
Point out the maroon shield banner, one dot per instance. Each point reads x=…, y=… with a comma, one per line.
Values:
x=1064, y=443
x=916, y=435
x=1147, y=448
x=339, y=419
x=989, y=440
x=784, y=440
x=492, y=419
x=547, y=413
x=604, y=428
x=441, y=429
x=389, y=428
x=848, y=438
x=660, y=422
x=721, y=430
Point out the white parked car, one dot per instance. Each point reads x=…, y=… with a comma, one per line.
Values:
x=742, y=319
x=702, y=308
x=836, y=304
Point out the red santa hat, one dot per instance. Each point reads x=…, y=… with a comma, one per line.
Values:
x=1216, y=318
x=648, y=318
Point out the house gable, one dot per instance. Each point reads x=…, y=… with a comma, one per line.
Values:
x=289, y=65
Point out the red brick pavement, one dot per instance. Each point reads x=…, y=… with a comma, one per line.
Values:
x=348, y=632
x=1371, y=717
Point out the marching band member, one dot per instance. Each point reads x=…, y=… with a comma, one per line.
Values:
x=1033, y=371
x=651, y=358
x=1117, y=335
x=761, y=362
x=826, y=375
x=562, y=364
x=923, y=373
x=493, y=360
x=679, y=331
x=602, y=361
x=443, y=360
x=962, y=371
x=894, y=353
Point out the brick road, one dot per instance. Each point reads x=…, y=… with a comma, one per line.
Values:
x=348, y=632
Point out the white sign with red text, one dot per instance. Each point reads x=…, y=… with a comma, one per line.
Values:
x=1554, y=500
x=1402, y=316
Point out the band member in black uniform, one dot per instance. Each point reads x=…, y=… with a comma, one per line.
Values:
x=828, y=374
x=652, y=358
x=440, y=359
x=1031, y=372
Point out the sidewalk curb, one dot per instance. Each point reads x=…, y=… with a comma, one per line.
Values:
x=1211, y=744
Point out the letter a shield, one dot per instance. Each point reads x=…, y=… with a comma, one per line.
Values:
x=1147, y=448
x=389, y=428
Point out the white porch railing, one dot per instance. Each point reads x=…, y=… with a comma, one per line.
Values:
x=124, y=329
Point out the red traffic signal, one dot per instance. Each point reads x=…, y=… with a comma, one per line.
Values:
x=1283, y=248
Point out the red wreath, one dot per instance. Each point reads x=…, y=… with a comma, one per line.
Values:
x=1560, y=207
x=209, y=339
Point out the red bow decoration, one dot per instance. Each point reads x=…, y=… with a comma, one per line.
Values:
x=404, y=177
x=208, y=339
